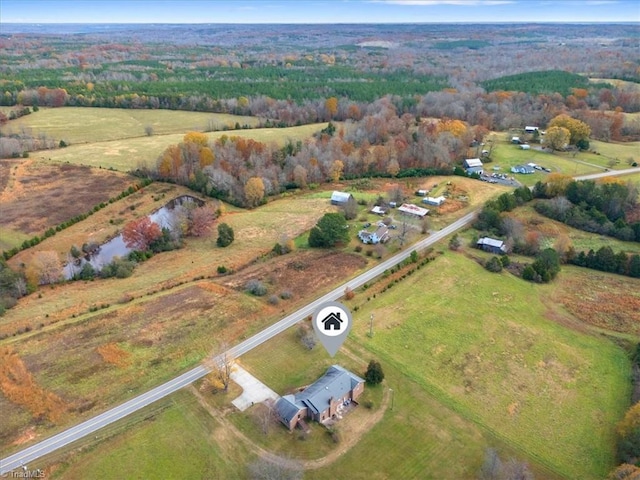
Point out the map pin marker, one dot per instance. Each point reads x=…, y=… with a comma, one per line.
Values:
x=332, y=322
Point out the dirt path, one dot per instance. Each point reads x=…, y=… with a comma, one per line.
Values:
x=355, y=433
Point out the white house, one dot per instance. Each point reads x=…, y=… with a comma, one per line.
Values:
x=473, y=165
x=411, y=209
x=381, y=235
x=340, y=198
x=525, y=169
x=436, y=201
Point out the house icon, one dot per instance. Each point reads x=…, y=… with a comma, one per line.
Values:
x=332, y=321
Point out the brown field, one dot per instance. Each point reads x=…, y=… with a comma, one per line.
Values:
x=603, y=300
x=36, y=195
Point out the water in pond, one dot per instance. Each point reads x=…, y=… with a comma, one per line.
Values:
x=116, y=247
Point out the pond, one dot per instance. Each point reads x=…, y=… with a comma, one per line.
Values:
x=116, y=247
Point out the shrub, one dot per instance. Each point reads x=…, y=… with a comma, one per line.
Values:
x=494, y=265
x=222, y=269
x=273, y=299
x=358, y=248
x=256, y=287
x=286, y=294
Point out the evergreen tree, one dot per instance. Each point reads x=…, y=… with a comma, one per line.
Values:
x=374, y=374
x=225, y=235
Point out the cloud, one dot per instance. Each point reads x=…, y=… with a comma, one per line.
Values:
x=428, y=3
x=601, y=2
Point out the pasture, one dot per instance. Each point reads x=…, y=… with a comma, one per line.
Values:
x=174, y=438
x=125, y=154
x=492, y=348
x=77, y=125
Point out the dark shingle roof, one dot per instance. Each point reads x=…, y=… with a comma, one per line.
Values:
x=335, y=383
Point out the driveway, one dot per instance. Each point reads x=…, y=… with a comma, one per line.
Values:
x=254, y=391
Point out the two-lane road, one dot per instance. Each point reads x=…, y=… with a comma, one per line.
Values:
x=94, y=424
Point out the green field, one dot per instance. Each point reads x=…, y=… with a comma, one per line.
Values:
x=506, y=155
x=179, y=441
x=88, y=125
x=484, y=347
x=127, y=154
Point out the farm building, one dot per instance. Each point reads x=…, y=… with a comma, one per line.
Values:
x=323, y=400
x=340, y=198
x=524, y=169
x=473, y=165
x=525, y=146
x=436, y=201
x=491, y=245
x=381, y=235
x=378, y=210
x=411, y=209
x=529, y=129
x=422, y=193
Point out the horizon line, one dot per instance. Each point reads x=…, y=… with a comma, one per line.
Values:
x=331, y=23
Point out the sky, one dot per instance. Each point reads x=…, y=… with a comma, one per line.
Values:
x=316, y=11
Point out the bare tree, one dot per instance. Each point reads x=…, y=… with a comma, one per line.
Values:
x=267, y=416
x=222, y=367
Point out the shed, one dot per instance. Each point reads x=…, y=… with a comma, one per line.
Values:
x=473, y=165
x=340, y=198
x=524, y=146
x=422, y=193
x=378, y=210
x=492, y=245
x=411, y=209
x=437, y=201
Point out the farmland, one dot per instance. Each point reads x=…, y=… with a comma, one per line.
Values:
x=473, y=360
x=459, y=386
x=90, y=125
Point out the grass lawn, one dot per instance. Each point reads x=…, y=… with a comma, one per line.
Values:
x=483, y=346
x=125, y=154
x=89, y=125
x=618, y=151
x=181, y=441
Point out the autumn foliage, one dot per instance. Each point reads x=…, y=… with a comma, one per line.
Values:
x=140, y=234
x=18, y=385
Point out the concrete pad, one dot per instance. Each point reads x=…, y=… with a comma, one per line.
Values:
x=254, y=391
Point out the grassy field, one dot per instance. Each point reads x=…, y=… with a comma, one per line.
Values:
x=486, y=348
x=505, y=155
x=90, y=125
x=180, y=441
x=129, y=153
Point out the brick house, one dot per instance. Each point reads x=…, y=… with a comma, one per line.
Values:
x=321, y=400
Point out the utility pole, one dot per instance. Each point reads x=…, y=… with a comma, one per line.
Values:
x=371, y=326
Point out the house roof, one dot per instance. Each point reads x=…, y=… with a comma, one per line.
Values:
x=340, y=196
x=492, y=242
x=287, y=408
x=364, y=235
x=378, y=209
x=413, y=209
x=434, y=200
x=333, y=384
x=381, y=232
x=473, y=162
x=523, y=169
x=316, y=397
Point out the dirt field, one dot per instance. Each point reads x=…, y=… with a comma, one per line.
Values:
x=36, y=195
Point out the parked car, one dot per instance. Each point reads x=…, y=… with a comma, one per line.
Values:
x=366, y=225
x=393, y=227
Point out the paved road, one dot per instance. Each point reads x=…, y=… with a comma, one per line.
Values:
x=94, y=424
x=610, y=173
